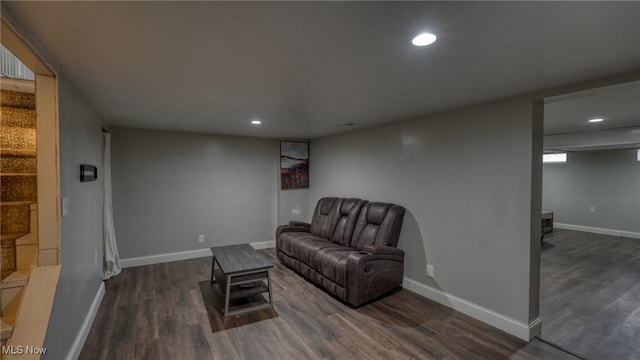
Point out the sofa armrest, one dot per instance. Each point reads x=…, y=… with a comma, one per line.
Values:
x=300, y=223
x=371, y=275
x=289, y=228
x=381, y=249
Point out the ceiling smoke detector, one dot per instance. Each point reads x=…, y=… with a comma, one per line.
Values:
x=347, y=124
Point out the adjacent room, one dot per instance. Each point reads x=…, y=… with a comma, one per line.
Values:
x=312, y=180
x=591, y=192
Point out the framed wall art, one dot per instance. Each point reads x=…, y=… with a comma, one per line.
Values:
x=294, y=165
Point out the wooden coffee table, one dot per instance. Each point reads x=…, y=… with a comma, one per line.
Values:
x=241, y=272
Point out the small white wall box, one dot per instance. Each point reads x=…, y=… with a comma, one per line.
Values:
x=88, y=173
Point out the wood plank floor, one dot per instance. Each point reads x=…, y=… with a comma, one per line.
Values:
x=168, y=311
x=590, y=294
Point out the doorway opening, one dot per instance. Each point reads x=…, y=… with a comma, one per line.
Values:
x=590, y=256
x=18, y=170
x=29, y=191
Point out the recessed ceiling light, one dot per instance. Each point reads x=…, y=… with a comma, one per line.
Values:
x=596, y=120
x=256, y=122
x=424, y=39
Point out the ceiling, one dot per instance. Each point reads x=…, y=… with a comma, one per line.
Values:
x=305, y=68
x=567, y=126
x=618, y=105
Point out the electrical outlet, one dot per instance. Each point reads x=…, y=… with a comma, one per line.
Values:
x=430, y=271
x=95, y=257
x=592, y=208
x=201, y=238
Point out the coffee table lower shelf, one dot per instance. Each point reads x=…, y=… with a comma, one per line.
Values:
x=243, y=285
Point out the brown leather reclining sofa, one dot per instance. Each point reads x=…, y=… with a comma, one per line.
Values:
x=349, y=248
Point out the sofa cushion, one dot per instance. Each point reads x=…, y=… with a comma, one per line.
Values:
x=302, y=246
x=316, y=261
x=348, y=216
x=333, y=266
x=308, y=247
x=288, y=242
x=325, y=217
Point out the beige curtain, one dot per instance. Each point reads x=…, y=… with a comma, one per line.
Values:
x=111, y=265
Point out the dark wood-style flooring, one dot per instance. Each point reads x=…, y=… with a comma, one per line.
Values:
x=168, y=311
x=590, y=294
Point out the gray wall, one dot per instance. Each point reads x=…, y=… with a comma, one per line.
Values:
x=293, y=204
x=467, y=188
x=80, y=277
x=169, y=187
x=608, y=180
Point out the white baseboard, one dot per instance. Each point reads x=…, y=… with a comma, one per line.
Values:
x=81, y=337
x=163, y=258
x=514, y=327
x=535, y=328
x=596, y=230
x=264, y=245
x=182, y=255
